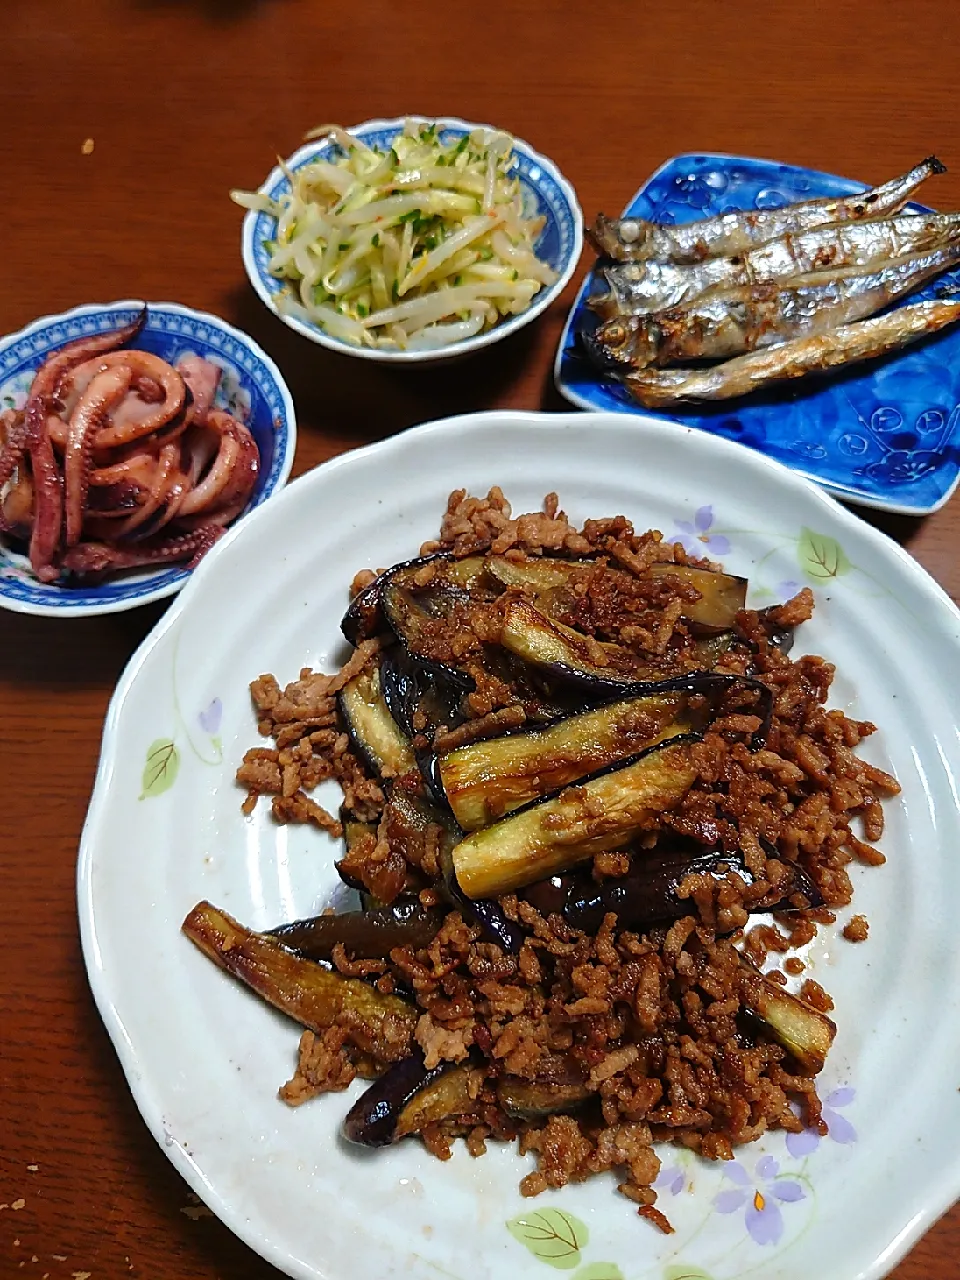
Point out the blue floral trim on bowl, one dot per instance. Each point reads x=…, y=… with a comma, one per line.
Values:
x=251, y=388
x=885, y=435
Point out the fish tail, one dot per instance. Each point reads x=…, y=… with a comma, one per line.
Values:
x=934, y=164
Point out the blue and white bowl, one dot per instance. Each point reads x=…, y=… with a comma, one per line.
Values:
x=251, y=388
x=546, y=192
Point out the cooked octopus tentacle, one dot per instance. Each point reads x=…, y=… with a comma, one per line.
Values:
x=143, y=450
x=202, y=378
x=47, y=379
x=233, y=471
x=98, y=557
x=32, y=437
x=104, y=393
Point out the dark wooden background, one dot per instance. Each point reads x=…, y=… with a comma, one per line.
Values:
x=184, y=100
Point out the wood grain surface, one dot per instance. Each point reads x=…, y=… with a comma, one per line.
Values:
x=182, y=101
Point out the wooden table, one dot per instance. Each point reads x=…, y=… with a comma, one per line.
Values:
x=182, y=101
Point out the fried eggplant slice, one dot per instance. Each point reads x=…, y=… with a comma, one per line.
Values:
x=804, y=1031
x=483, y=781
x=364, y=618
x=559, y=1085
x=567, y=655
x=541, y=640
x=647, y=894
x=381, y=1026
x=409, y=1096
x=600, y=813
x=721, y=595
x=366, y=935
x=372, y=729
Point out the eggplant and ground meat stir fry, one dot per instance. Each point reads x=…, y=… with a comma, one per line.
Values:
x=573, y=766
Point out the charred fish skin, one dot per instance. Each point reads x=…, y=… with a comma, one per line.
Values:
x=848, y=344
x=864, y=245
x=637, y=240
x=639, y=288
x=732, y=322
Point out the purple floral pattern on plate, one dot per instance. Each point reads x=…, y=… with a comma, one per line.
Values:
x=760, y=1196
x=211, y=716
x=670, y=1178
x=839, y=1128
x=695, y=536
x=787, y=589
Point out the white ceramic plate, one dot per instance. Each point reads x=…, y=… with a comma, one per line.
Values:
x=204, y=1057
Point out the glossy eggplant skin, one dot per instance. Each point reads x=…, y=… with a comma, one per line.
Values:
x=381, y=1026
x=566, y=655
x=365, y=617
x=484, y=780
x=409, y=818
x=372, y=1120
x=647, y=895
x=365, y=935
x=409, y=1096
x=487, y=913
x=558, y=832
x=422, y=693
x=373, y=730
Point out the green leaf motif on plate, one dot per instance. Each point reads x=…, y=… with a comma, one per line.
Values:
x=161, y=768
x=553, y=1236
x=821, y=557
x=680, y=1271
x=599, y=1271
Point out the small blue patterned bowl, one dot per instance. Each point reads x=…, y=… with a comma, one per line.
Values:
x=545, y=192
x=251, y=388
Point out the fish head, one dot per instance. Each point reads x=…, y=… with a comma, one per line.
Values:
x=624, y=239
x=621, y=342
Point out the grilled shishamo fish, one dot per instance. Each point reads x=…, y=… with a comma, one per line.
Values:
x=636, y=240
x=731, y=322
x=848, y=344
x=637, y=288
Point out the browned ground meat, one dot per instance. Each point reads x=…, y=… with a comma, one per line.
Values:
x=654, y=1022
x=856, y=929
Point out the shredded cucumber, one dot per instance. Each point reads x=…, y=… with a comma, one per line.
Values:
x=415, y=247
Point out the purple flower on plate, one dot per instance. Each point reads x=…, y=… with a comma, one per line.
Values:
x=696, y=536
x=671, y=1178
x=787, y=589
x=760, y=1195
x=839, y=1128
x=211, y=717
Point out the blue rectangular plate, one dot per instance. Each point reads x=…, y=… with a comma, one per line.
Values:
x=885, y=434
